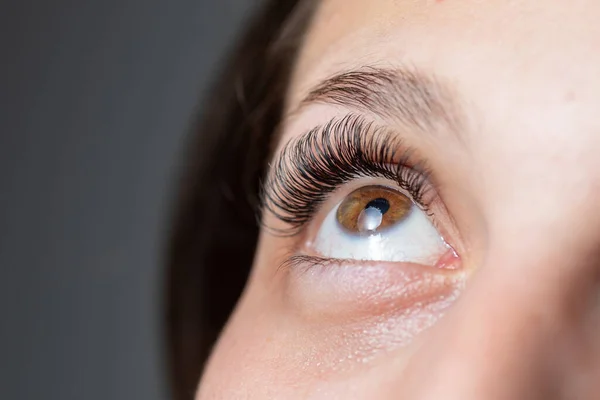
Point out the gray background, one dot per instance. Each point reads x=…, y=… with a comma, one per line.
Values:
x=96, y=97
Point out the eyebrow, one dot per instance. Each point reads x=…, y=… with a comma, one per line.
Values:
x=405, y=95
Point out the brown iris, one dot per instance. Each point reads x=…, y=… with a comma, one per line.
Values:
x=371, y=209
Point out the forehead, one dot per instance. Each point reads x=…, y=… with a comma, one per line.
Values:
x=551, y=46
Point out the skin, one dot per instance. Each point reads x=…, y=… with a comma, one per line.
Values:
x=519, y=317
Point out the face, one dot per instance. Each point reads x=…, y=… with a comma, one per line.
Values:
x=432, y=213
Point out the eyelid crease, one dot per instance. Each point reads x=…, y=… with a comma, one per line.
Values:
x=315, y=164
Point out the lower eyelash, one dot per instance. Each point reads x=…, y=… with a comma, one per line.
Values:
x=304, y=261
x=314, y=165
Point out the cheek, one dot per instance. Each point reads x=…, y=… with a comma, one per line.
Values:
x=298, y=332
x=293, y=362
x=250, y=355
x=286, y=341
x=239, y=363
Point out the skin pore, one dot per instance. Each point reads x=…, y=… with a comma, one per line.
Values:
x=500, y=99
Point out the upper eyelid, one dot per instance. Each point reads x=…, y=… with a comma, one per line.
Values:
x=342, y=149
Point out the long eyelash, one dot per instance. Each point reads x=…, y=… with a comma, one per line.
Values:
x=317, y=163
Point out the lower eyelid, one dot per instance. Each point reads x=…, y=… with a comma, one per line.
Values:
x=343, y=290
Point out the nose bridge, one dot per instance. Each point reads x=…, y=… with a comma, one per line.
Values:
x=524, y=328
x=544, y=252
x=543, y=246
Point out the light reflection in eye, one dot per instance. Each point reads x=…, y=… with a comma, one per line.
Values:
x=370, y=218
x=379, y=223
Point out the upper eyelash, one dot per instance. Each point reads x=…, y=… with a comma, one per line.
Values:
x=312, y=166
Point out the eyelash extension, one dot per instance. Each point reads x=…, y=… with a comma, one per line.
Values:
x=314, y=165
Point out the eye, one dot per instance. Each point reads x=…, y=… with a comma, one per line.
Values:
x=379, y=223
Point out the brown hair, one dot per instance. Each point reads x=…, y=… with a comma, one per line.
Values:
x=215, y=229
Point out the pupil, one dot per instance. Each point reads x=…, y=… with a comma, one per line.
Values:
x=379, y=203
